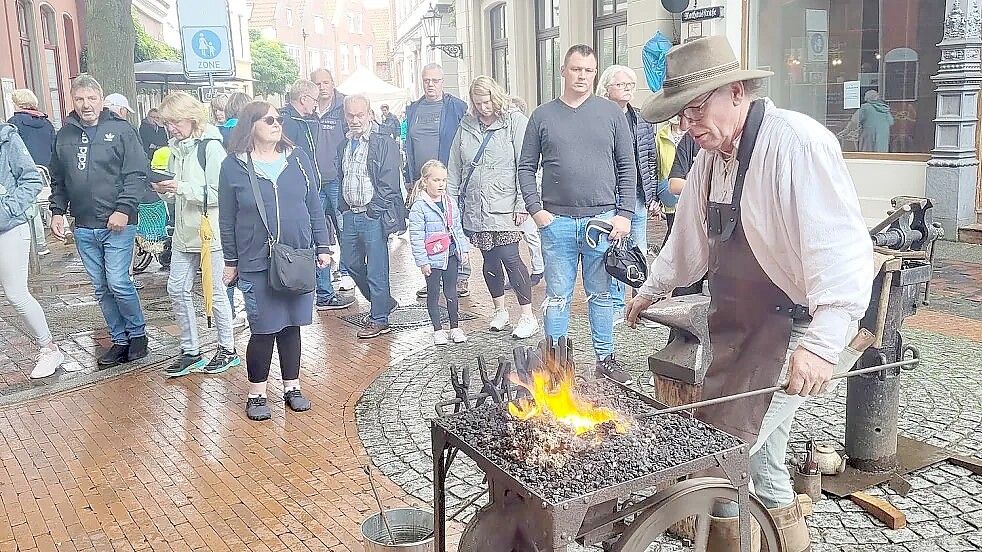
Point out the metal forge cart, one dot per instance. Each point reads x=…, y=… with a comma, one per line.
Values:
x=521, y=517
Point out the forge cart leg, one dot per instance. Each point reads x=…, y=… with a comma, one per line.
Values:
x=439, y=445
x=745, y=517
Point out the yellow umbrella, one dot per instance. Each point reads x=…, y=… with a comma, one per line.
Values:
x=207, y=235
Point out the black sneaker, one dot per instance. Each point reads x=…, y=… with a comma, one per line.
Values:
x=137, y=348
x=223, y=360
x=335, y=303
x=610, y=368
x=117, y=354
x=373, y=329
x=296, y=401
x=257, y=410
x=421, y=293
x=184, y=365
x=535, y=279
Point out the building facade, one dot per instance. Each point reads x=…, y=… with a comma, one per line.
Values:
x=40, y=51
x=843, y=62
x=381, y=21
x=355, y=37
x=411, y=49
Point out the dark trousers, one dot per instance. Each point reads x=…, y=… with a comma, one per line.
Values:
x=365, y=251
x=259, y=354
x=670, y=221
x=448, y=279
x=506, y=259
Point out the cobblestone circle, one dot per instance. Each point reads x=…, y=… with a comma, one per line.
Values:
x=941, y=404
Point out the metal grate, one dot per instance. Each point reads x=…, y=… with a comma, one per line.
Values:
x=406, y=317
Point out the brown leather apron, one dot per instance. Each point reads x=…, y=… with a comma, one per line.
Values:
x=750, y=318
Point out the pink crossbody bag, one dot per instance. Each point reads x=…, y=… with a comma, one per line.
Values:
x=437, y=243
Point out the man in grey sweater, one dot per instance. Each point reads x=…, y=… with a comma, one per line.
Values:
x=586, y=151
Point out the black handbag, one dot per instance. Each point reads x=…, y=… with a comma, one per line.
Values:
x=292, y=270
x=626, y=262
x=623, y=260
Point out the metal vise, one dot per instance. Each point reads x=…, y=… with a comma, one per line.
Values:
x=680, y=367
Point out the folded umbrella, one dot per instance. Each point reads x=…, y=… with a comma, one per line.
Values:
x=207, y=235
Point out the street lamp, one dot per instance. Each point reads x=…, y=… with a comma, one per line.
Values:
x=431, y=26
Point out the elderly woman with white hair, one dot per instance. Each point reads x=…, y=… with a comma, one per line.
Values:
x=617, y=83
x=196, y=160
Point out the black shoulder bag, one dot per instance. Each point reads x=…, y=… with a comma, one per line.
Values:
x=292, y=270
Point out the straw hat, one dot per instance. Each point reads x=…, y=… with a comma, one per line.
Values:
x=692, y=70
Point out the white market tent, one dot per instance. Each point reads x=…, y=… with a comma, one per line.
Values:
x=363, y=81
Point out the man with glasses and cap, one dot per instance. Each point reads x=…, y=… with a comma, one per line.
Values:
x=770, y=211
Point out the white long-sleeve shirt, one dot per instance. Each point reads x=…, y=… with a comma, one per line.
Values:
x=802, y=219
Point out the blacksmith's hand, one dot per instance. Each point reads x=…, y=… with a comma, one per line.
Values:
x=808, y=373
x=324, y=260
x=58, y=226
x=543, y=218
x=117, y=221
x=622, y=227
x=635, y=307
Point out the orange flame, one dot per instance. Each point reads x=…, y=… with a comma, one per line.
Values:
x=553, y=395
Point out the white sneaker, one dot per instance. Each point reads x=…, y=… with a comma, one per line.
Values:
x=346, y=283
x=527, y=327
x=500, y=321
x=457, y=335
x=441, y=337
x=48, y=361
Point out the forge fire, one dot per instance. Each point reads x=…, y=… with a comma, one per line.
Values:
x=554, y=397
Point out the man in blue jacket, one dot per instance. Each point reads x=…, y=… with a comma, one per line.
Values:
x=431, y=124
x=99, y=174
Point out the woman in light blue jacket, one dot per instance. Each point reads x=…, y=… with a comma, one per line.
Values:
x=20, y=184
x=439, y=247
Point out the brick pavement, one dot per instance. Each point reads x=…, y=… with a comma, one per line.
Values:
x=132, y=461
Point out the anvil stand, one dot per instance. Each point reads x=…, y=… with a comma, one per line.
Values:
x=877, y=454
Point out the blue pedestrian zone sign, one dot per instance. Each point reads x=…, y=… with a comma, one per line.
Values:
x=206, y=44
x=207, y=50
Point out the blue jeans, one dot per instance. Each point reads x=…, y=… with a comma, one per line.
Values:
x=325, y=289
x=330, y=199
x=639, y=235
x=365, y=250
x=106, y=256
x=563, y=245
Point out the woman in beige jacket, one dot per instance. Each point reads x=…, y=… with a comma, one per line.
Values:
x=196, y=160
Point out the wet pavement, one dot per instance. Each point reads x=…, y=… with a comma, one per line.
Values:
x=124, y=459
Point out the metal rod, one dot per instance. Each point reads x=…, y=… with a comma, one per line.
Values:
x=774, y=389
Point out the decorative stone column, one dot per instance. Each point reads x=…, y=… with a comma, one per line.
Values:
x=952, y=172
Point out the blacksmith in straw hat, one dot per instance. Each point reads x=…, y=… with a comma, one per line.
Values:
x=770, y=211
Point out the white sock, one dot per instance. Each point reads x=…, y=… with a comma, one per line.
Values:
x=290, y=385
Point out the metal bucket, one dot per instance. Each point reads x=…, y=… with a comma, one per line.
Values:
x=412, y=530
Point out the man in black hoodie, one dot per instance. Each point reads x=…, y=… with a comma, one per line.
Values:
x=152, y=132
x=300, y=125
x=99, y=174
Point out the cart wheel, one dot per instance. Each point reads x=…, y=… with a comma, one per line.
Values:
x=693, y=497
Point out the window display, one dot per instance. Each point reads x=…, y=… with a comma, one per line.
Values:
x=863, y=68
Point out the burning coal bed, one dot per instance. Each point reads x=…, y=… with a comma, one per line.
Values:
x=559, y=464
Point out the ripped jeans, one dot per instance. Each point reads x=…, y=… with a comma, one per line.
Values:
x=564, y=245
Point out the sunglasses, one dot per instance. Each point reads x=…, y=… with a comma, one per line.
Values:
x=269, y=120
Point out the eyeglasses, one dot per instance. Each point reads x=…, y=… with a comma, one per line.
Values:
x=628, y=86
x=269, y=120
x=432, y=81
x=695, y=113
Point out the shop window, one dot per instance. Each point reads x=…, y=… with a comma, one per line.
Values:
x=548, y=57
x=862, y=70
x=28, y=46
x=499, y=45
x=610, y=27
x=71, y=46
x=52, y=64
